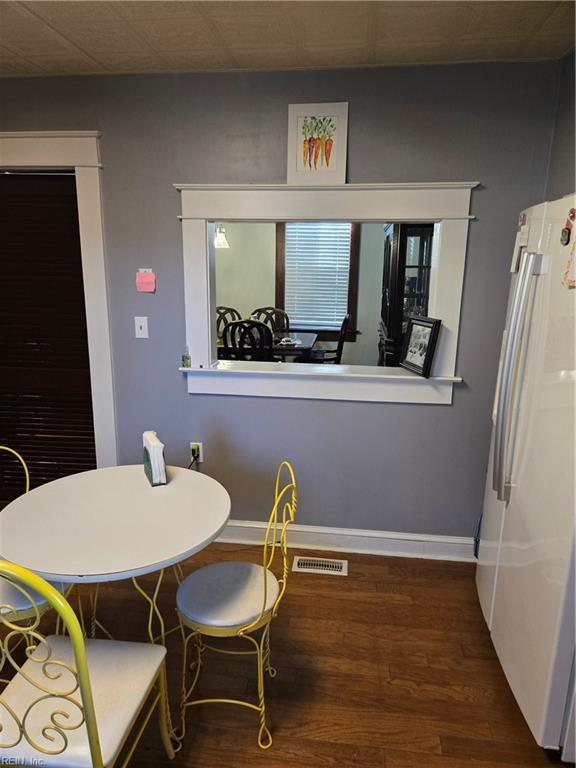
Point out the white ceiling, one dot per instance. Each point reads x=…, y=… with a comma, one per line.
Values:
x=81, y=38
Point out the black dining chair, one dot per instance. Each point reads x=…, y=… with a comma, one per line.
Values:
x=276, y=319
x=225, y=315
x=333, y=356
x=247, y=340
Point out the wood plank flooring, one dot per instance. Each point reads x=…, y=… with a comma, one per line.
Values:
x=391, y=667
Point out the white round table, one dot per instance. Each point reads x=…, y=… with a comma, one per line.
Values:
x=110, y=524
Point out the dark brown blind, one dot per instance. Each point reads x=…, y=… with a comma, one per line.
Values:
x=45, y=397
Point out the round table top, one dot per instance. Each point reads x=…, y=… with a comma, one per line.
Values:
x=110, y=523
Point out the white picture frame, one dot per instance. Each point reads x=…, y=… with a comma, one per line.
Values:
x=317, y=143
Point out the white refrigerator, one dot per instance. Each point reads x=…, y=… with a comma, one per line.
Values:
x=525, y=572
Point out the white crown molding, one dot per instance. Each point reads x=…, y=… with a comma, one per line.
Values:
x=402, y=201
x=50, y=149
x=428, y=547
x=49, y=134
x=335, y=188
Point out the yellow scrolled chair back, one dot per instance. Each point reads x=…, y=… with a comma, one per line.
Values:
x=22, y=462
x=59, y=682
x=283, y=513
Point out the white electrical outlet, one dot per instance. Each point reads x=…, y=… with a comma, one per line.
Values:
x=200, y=449
x=141, y=327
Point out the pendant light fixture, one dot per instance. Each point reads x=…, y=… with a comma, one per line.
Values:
x=220, y=240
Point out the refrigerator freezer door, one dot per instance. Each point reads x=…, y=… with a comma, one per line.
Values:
x=493, y=510
x=531, y=633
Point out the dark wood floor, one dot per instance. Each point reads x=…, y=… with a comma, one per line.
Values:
x=391, y=667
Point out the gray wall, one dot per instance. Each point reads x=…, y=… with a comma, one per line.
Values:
x=381, y=466
x=246, y=272
x=561, y=170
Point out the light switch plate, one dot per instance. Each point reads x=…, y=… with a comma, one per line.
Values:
x=141, y=327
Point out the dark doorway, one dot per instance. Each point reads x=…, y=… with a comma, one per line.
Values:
x=45, y=395
x=405, y=284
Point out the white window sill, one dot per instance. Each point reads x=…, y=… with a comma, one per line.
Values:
x=325, y=382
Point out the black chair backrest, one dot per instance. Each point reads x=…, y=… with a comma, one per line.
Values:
x=247, y=340
x=225, y=315
x=335, y=355
x=276, y=319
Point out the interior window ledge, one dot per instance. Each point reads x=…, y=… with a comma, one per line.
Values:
x=308, y=381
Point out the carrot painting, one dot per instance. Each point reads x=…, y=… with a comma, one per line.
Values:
x=317, y=141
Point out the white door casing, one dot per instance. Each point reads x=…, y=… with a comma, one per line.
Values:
x=79, y=151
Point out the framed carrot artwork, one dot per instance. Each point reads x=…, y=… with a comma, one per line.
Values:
x=317, y=139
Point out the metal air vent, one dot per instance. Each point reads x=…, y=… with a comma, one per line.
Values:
x=320, y=565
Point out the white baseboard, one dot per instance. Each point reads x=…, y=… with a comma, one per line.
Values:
x=356, y=540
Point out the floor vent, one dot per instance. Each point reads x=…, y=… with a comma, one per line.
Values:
x=320, y=565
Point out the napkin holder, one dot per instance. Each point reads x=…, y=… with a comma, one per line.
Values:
x=154, y=464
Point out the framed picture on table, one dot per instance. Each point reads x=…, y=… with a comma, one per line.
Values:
x=317, y=143
x=419, y=344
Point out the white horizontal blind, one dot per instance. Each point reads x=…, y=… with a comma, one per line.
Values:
x=317, y=269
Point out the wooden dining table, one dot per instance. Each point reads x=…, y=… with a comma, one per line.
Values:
x=302, y=343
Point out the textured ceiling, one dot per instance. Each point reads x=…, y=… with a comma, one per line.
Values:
x=70, y=38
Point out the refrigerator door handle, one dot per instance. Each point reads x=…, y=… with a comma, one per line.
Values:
x=496, y=403
x=536, y=266
x=503, y=381
x=531, y=268
x=496, y=409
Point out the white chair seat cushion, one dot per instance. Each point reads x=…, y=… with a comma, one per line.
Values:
x=12, y=599
x=121, y=676
x=226, y=594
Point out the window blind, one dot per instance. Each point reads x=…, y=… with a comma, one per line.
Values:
x=317, y=270
x=45, y=396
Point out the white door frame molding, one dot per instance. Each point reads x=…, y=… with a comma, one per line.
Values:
x=79, y=150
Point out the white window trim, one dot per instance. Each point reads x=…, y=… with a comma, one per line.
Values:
x=447, y=204
x=79, y=150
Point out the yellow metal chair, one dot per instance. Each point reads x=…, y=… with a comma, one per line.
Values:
x=67, y=702
x=8, y=596
x=22, y=462
x=238, y=599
